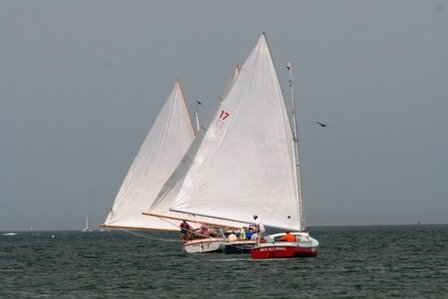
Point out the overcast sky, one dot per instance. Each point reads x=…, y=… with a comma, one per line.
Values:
x=82, y=81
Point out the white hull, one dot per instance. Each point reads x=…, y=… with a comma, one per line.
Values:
x=205, y=245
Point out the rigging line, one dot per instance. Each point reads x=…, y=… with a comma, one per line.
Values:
x=189, y=230
x=147, y=237
x=167, y=240
x=195, y=220
x=168, y=221
x=175, y=225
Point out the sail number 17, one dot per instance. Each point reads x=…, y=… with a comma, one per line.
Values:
x=221, y=118
x=223, y=115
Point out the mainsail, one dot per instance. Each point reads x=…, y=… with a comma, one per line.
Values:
x=160, y=153
x=243, y=164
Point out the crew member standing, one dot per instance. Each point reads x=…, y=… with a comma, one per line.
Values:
x=259, y=227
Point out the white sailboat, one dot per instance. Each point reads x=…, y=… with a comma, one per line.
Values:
x=86, y=227
x=245, y=162
x=160, y=153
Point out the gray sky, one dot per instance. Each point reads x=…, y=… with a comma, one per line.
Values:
x=82, y=81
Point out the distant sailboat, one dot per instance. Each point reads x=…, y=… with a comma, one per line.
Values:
x=245, y=162
x=86, y=227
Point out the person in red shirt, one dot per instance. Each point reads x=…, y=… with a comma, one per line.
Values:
x=288, y=237
x=185, y=230
x=203, y=232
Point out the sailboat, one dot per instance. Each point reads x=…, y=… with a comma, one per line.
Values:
x=164, y=146
x=245, y=162
x=86, y=227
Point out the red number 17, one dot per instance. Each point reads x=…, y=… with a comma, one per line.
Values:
x=223, y=115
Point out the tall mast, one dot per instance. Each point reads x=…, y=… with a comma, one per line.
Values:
x=296, y=147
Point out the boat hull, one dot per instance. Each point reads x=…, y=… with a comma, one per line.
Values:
x=205, y=245
x=304, y=246
x=239, y=247
x=283, y=250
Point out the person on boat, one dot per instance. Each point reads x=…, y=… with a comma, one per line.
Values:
x=242, y=234
x=259, y=227
x=232, y=237
x=288, y=237
x=185, y=228
x=203, y=232
x=254, y=237
x=250, y=232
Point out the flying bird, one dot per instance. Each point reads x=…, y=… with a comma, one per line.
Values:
x=321, y=124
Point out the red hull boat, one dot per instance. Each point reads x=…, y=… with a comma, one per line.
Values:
x=289, y=250
x=304, y=246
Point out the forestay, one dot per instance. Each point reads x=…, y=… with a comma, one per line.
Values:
x=243, y=164
x=163, y=148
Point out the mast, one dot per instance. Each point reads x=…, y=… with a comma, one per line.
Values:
x=196, y=113
x=296, y=147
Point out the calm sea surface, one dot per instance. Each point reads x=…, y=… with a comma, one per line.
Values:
x=354, y=262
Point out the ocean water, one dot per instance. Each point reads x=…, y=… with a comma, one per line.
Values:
x=354, y=262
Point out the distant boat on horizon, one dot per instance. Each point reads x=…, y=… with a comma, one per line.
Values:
x=86, y=227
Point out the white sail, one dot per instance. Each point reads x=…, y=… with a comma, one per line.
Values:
x=243, y=164
x=232, y=80
x=160, y=153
